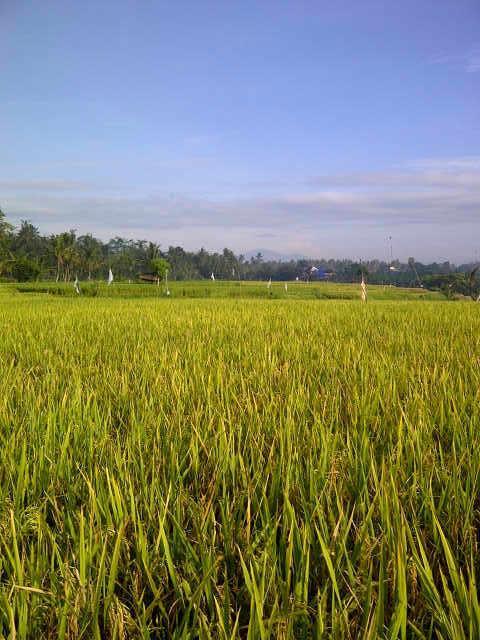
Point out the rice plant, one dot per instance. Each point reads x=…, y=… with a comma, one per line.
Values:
x=252, y=468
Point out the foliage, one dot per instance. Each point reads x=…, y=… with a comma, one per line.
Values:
x=5, y=253
x=238, y=469
x=91, y=258
x=5, y=226
x=464, y=284
x=160, y=267
x=23, y=269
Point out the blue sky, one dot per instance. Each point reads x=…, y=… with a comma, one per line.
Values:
x=315, y=128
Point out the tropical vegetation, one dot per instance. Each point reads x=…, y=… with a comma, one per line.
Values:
x=27, y=255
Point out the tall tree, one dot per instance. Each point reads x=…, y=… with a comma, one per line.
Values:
x=5, y=238
x=65, y=253
x=90, y=252
x=27, y=240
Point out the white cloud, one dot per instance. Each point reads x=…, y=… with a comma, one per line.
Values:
x=439, y=196
x=448, y=164
x=468, y=60
x=473, y=62
x=45, y=185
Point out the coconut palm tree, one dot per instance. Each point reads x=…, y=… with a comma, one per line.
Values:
x=6, y=256
x=65, y=253
x=90, y=250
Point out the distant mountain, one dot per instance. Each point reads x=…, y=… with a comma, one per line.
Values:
x=268, y=255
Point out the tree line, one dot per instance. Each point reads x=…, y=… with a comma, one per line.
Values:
x=26, y=254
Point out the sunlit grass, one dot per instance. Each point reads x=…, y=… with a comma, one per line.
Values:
x=238, y=468
x=227, y=289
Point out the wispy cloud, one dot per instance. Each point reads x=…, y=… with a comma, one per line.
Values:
x=439, y=174
x=473, y=61
x=434, y=194
x=447, y=164
x=468, y=60
x=46, y=185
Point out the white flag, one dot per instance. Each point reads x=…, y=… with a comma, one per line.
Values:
x=75, y=285
x=212, y=277
x=363, y=288
x=110, y=276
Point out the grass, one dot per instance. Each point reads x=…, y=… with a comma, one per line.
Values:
x=229, y=289
x=238, y=469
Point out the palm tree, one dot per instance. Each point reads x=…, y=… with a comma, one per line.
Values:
x=59, y=252
x=72, y=261
x=90, y=250
x=152, y=251
x=472, y=282
x=65, y=253
x=5, y=254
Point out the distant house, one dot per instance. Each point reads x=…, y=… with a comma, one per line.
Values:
x=148, y=277
x=320, y=274
x=317, y=273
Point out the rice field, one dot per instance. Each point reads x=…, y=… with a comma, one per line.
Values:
x=238, y=468
x=228, y=289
